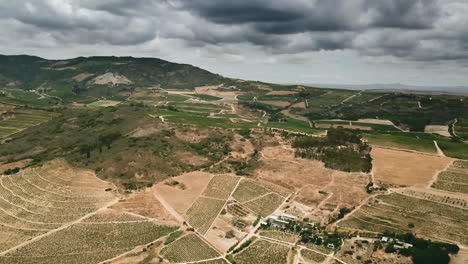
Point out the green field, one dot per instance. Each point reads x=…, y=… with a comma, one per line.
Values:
x=22, y=120
x=418, y=142
x=294, y=125
x=206, y=97
x=200, y=120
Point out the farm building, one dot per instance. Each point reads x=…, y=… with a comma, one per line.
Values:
x=277, y=222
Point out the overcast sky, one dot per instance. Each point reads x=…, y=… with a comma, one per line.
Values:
x=422, y=42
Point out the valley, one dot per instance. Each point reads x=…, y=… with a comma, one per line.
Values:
x=128, y=160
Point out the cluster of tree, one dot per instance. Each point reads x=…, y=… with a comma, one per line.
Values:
x=11, y=171
x=341, y=149
x=423, y=251
x=103, y=140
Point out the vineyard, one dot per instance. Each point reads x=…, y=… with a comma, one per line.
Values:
x=34, y=202
x=203, y=212
x=263, y=252
x=451, y=200
x=400, y=213
x=282, y=236
x=221, y=187
x=89, y=242
x=215, y=261
x=19, y=120
x=237, y=210
x=188, y=249
x=454, y=179
x=249, y=190
x=265, y=205
x=312, y=256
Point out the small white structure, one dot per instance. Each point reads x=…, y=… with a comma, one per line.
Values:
x=330, y=245
x=384, y=239
x=287, y=217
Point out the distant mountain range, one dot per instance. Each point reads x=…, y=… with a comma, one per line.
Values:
x=398, y=87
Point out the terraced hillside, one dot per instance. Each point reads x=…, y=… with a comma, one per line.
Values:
x=65, y=208
x=15, y=121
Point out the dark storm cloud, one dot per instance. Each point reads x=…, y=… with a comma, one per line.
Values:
x=421, y=30
x=282, y=17
x=408, y=29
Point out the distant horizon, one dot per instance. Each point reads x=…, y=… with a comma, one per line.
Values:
x=280, y=82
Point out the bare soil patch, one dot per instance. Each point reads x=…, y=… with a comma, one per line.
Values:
x=376, y=121
x=182, y=198
x=405, y=168
x=441, y=130
x=322, y=190
x=191, y=158
x=281, y=92
x=299, y=105
x=264, y=87
x=82, y=76
x=145, y=204
x=104, y=103
x=111, y=78
x=276, y=103
x=223, y=235
x=191, y=135
x=145, y=131
x=17, y=164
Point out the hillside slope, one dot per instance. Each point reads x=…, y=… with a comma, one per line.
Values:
x=96, y=75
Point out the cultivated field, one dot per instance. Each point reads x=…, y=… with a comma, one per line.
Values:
x=261, y=199
x=278, y=235
x=188, y=249
x=18, y=120
x=145, y=204
x=405, y=168
x=265, y=205
x=221, y=186
x=263, y=252
x=454, y=179
x=88, y=243
x=59, y=207
x=203, y=212
x=400, y=213
x=312, y=256
x=440, y=130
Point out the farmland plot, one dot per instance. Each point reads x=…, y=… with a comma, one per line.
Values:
x=282, y=236
x=187, y=249
x=405, y=168
x=312, y=256
x=31, y=205
x=395, y=212
x=88, y=242
x=203, y=212
x=265, y=205
x=22, y=120
x=263, y=252
x=248, y=190
x=455, y=179
x=215, y=261
x=221, y=187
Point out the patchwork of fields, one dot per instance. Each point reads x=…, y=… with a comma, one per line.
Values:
x=63, y=208
x=19, y=120
x=454, y=179
x=402, y=213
